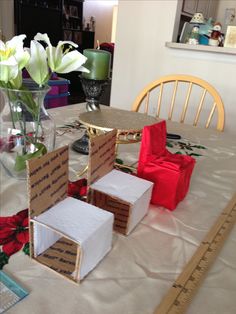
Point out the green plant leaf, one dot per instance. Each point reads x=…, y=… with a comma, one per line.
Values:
x=20, y=163
x=194, y=154
x=3, y=259
x=26, y=249
x=168, y=144
x=199, y=146
x=119, y=161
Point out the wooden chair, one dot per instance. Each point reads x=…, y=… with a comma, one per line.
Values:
x=189, y=93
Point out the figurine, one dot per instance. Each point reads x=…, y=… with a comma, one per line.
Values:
x=194, y=36
x=216, y=36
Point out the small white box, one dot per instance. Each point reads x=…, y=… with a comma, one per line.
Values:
x=125, y=195
x=72, y=237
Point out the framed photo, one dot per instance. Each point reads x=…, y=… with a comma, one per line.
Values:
x=66, y=10
x=67, y=35
x=73, y=11
x=77, y=38
x=230, y=37
x=185, y=33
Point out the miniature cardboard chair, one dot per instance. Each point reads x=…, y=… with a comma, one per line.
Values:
x=67, y=235
x=170, y=173
x=124, y=195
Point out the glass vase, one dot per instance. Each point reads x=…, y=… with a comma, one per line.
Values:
x=27, y=130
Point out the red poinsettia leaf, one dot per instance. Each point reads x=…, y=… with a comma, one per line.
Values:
x=6, y=235
x=72, y=189
x=23, y=236
x=22, y=214
x=83, y=191
x=8, y=222
x=77, y=188
x=11, y=247
x=14, y=220
x=25, y=222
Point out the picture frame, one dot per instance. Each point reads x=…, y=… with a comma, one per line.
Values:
x=73, y=11
x=77, y=38
x=230, y=37
x=67, y=34
x=185, y=33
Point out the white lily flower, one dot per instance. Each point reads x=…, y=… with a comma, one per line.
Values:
x=37, y=66
x=8, y=69
x=62, y=62
x=13, y=58
x=21, y=55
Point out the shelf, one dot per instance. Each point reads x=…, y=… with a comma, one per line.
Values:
x=40, y=6
x=71, y=29
x=202, y=48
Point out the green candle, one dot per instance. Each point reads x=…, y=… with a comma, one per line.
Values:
x=98, y=62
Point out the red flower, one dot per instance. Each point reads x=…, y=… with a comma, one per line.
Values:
x=77, y=189
x=14, y=232
x=7, y=145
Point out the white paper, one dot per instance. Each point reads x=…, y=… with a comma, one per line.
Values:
x=88, y=225
x=122, y=185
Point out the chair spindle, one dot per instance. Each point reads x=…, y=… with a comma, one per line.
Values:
x=199, y=108
x=173, y=101
x=186, y=103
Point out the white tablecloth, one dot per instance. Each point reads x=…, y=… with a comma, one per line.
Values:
x=136, y=274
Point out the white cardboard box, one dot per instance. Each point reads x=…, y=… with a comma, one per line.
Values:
x=125, y=195
x=84, y=224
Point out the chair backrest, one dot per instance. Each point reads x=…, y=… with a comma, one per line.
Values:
x=186, y=91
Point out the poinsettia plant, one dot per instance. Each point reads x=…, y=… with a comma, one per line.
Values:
x=40, y=60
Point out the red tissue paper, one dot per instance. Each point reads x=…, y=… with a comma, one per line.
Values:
x=169, y=172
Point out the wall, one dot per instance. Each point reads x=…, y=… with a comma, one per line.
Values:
x=223, y=5
x=143, y=27
x=7, y=18
x=102, y=11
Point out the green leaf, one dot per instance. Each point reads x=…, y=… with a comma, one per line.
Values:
x=3, y=259
x=194, y=154
x=20, y=163
x=168, y=144
x=119, y=161
x=26, y=249
x=179, y=153
x=199, y=146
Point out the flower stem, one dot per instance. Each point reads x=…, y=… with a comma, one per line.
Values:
x=12, y=117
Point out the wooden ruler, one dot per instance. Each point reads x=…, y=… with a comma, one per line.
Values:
x=182, y=291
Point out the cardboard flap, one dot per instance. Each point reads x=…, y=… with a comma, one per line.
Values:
x=47, y=180
x=101, y=155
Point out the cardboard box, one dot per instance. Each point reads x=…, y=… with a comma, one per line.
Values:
x=67, y=235
x=124, y=195
x=58, y=94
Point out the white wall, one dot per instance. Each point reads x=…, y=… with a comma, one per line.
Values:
x=102, y=11
x=7, y=18
x=143, y=27
x=223, y=5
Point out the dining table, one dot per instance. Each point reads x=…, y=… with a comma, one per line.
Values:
x=136, y=274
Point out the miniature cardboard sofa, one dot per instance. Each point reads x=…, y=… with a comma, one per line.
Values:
x=124, y=195
x=66, y=234
x=170, y=173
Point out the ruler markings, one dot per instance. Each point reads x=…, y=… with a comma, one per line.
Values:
x=181, y=293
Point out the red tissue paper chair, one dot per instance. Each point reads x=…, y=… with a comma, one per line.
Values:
x=169, y=172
